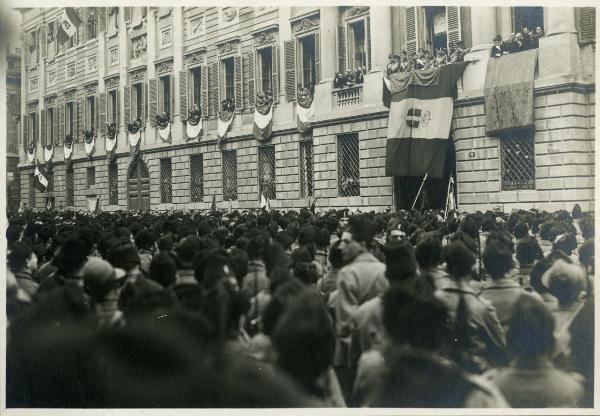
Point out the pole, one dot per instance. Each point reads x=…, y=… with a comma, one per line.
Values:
x=447, y=197
x=420, y=189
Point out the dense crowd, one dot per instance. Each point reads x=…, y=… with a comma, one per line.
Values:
x=278, y=309
x=424, y=59
x=517, y=42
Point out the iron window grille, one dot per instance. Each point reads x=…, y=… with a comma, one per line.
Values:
x=70, y=196
x=166, y=185
x=348, y=165
x=517, y=153
x=50, y=178
x=306, y=168
x=196, y=178
x=266, y=172
x=229, y=175
x=91, y=176
x=31, y=191
x=113, y=184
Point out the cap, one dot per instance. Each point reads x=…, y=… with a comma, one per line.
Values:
x=98, y=272
x=561, y=270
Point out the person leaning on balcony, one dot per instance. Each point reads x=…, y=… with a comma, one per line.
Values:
x=498, y=48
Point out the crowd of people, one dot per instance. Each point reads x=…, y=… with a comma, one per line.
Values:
x=424, y=59
x=350, y=77
x=300, y=309
x=517, y=42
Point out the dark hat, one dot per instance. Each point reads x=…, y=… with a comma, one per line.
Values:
x=98, y=274
x=400, y=258
x=497, y=38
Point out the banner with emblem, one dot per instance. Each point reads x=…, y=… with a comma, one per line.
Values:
x=31, y=152
x=68, y=22
x=68, y=149
x=421, y=108
x=48, y=155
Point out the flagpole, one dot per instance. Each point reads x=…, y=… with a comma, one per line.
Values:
x=447, y=197
x=419, y=193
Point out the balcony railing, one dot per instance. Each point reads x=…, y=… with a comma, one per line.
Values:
x=348, y=97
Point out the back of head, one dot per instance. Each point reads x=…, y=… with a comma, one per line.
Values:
x=163, y=269
x=564, y=281
x=99, y=277
x=322, y=238
x=503, y=237
x=429, y=252
x=307, y=235
x=239, y=262
x=284, y=239
x=459, y=259
x=187, y=249
x=497, y=259
x=521, y=230
x=400, y=261
x=335, y=256
x=125, y=256
x=528, y=251
x=144, y=239
x=71, y=257
x=530, y=329
x=165, y=243
x=257, y=247
x=362, y=229
x=18, y=256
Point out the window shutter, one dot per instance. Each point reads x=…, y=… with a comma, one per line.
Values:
x=341, y=44
x=237, y=64
x=318, y=57
x=145, y=114
x=127, y=103
x=43, y=128
x=251, y=78
x=172, y=96
x=453, y=24
x=368, y=36
x=118, y=112
x=81, y=30
x=56, y=123
x=102, y=100
x=290, y=69
x=204, y=90
x=127, y=14
x=275, y=74
x=44, y=40
x=183, y=95
x=586, y=20
x=61, y=122
x=79, y=115
x=153, y=91
x=102, y=11
x=213, y=92
x=24, y=127
x=411, y=30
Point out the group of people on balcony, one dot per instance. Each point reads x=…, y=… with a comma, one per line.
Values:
x=350, y=78
x=520, y=41
x=424, y=59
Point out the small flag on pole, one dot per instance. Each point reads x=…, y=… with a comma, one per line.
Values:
x=451, y=200
x=49, y=204
x=264, y=202
x=213, y=206
x=69, y=21
x=313, y=206
x=40, y=181
x=97, y=210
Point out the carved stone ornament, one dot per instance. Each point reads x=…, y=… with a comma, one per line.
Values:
x=69, y=94
x=164, y=67
x=229, y=47
x=196, y=25
x=50, y=101
x=112, y=82
x=137, y=75
x=265, y=37
x=139, y=46
x=166, y=37
x=307, y=24
x=51, y=78
x=229, y=13
x=114, y=55
x=33, y=84
x=356, y=11
x=92, y=61
x=71, y=70
x=91, y=89
x=197, y=57
x=32, y=106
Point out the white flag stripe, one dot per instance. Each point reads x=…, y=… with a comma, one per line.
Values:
x=420, y=119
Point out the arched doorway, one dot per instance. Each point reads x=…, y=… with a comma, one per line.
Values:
x=138, y=186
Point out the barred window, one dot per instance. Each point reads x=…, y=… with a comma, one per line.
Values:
x=91, y=176
x=266, y=171
x=348, y=165
x=31, y=191
x=306, y=168
x=113, y=184
x=70, y=185
x=229, y=175
x=50, y=178
x=166, y=185
x=196, y=178
x=518, y=161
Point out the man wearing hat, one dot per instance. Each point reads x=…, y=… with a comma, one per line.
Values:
x=497, y=49
x=103, y=284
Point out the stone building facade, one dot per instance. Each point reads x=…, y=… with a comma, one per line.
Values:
x=13, y=109
x=128, y=62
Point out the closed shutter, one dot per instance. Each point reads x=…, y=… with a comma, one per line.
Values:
x=61, y=122
x=25, y=128
x=102, y=12
x=153, y=92
x=411, y=30
x=290, y=69
x=102, y=99
x=251, y=78
x=586, y=20
x=183, y=95
x=81, y=30
x=128, y=13
x=213, y=91
x=145, y=100
x=127, y=103
x=204, y=90
x=56, y=122
x=453, y=24
x=44, y=40
x=368, y=36
x=275, y=73
x=172, y=111
x=43, y=128
x=237, y=71
x=317, y=58
x=341, y=44
x=79, y=113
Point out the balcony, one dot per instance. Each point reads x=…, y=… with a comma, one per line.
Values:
x=348, y=97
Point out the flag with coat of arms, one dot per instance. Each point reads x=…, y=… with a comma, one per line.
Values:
x=68, y=22
x=40, y=181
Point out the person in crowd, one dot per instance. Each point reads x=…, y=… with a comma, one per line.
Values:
x=531, y=379
x=144, y=241
x=328, y=283
x=103, y=283
x=69, y=263
x=498, y=49
x=528, y=251
x=163, y=269
x=256, y=280
x=428, y=253
x=23, y=263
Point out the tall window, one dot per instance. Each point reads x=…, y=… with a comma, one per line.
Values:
x=113, y=106
x=165, y=95
x=138, y=96
x=228, y=70
x=166, y=185
x=90, y=114
x=50, y=133
x=196, y=178
x=307, y=58
x=266, y=171
x=306, y=168
x=357, y=48
x=348, y=165
x=33, y=123
x=113, y=184
x=229, y=175
x=437, y=27
x=91, y=176
x=196, y=86
x=265, y=67
x=70, y=118
x=91, y=24
x=33, y=47
x=70, y=185
x=517, y=157
x=527, y=17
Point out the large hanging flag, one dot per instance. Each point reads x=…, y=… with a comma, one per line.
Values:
x=192, y=131
x=68, y=150
x=263, y=122
x=40, y=182
x=68, y=22
x=305, y=112
x=419, y=121
x=89, y=141
x=110, y=143
x=134, y=141
x=223, y=123
x=48, y=155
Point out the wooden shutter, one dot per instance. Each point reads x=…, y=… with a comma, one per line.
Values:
x=61, y=122
x=56, y=123
x=145, y=114
x=453, y=24
x=290, y=69
x=586, y=22
x=79, y=114
x=275, y=72
x=153, y=97
x=213, y=85
x=204, y=90
x=250, y=65
x=411, y=30
x=102, y=100
x=317, y=57
x=102, y=16
x=183, y=95
x=342, y=47
x=368, y=39
x=127, y=103
x=44, y=40
x=24, y=127
x=237, y=75
x=172, y=96
x=43, y=128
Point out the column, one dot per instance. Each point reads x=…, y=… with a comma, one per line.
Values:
x=177, y=128
x=560, y=20
x=483, y=27
x=381, y=37
x=285, y=109
x=329, y=17
x=123, y=82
